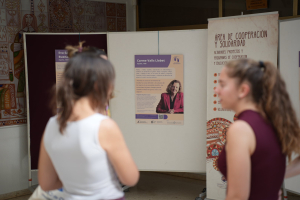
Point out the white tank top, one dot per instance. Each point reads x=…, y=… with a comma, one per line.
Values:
x=79, y=160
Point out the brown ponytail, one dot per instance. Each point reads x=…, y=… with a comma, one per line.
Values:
x=73, y=50
x=64, y=101
x=268, y=91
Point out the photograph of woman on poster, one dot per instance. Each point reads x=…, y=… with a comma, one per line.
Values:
x=172, y=101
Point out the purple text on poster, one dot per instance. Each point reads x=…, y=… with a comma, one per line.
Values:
x=61, y=56
x=152, y=61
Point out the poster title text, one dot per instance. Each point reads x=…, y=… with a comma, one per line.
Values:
x=238, y=39
x=151, y=60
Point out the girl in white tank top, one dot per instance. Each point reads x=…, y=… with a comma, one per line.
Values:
x=82, y=150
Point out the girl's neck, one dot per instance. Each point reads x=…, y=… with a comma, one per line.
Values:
x=242, y=106
x=82, y=109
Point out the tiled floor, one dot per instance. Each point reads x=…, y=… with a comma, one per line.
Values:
x=156, y=186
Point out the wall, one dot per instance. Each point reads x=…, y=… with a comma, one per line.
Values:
x=14, y=159
x=289, y=65
x=130, y=12
x=168, y=13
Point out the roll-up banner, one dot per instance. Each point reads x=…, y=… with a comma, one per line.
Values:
x=231, y=38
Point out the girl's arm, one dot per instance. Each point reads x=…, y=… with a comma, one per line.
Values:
x=47, y=176
x=239, y=148
x=112, y=141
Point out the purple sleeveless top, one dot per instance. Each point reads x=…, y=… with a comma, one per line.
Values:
x=267, y=162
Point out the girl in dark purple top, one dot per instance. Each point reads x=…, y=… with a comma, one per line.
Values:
x=267, y=130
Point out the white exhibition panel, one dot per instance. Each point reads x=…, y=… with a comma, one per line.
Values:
x=14, y=159
x=289, y=47
x=162, y=147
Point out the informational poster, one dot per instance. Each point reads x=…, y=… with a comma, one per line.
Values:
x=247, y=36
x=61, y=59
x=159, y=94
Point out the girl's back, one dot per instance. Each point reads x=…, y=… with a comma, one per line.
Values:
x=83, y=151
x=79, y=160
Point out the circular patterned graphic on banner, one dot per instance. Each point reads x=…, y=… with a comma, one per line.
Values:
x=235, y=117
x=213, y=150
x=222, y=134
x=217, y=128
x=215, y=164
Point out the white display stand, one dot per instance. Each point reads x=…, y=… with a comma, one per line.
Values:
x=162, y=147
x=289, y=47
x=158, y=147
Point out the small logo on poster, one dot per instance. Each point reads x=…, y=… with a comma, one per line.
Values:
x=176, y=60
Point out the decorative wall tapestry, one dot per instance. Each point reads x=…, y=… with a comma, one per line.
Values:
x=19, y=16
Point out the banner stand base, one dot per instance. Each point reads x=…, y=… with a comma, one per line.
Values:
x=202, y=195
